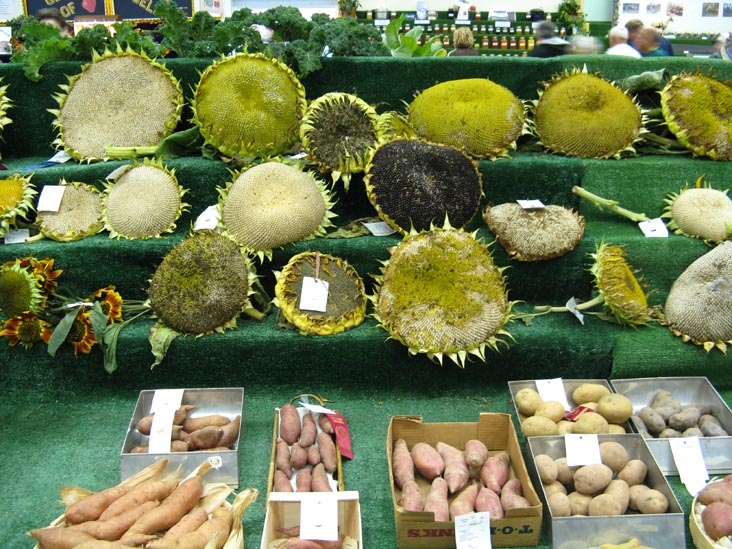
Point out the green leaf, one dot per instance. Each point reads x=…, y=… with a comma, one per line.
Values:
x=180, y=143
x=62, y=330
x=409, y=42
x=391, y=33
x=98, y=322
x=160, y=339
x=402, y=51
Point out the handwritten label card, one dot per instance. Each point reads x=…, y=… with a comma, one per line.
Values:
x=314, y=296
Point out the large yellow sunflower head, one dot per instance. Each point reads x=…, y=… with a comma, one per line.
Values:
x=16, y=200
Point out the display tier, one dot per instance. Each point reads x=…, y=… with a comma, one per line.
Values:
x=65, y=417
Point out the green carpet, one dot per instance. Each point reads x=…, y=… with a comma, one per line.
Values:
x=65, y=418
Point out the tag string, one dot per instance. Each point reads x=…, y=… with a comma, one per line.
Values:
x=317, y=265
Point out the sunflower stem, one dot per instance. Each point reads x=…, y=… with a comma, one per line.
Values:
x=611, y=205
x=35, y=238
x=663, y=141
x=124, y=153
x=597, y=300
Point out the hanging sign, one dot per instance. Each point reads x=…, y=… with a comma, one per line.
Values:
x=145, y=9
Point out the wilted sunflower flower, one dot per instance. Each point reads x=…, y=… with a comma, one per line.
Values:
x=111, y=303
x=16, y=200
x=26, y=328
x=81, y=335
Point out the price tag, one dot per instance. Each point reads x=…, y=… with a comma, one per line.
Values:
x=582, y=449
x=208, y=219
x=530, y=204
x=655, y=228
x=552, y=389
x=690, y=463
x=50, y=198
x=60, y=157
x=115, y=174
x=572, y=308
x=319, y=516
x=314, y=295
x=379, y=228
x=473, y=531
x=164, y=404
x=18, y=236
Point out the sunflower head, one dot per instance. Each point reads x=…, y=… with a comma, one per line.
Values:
x=700, y=212
x=79, y=214
x=20, y=291
x=16, y=200
x=26, y=328
x=81, y=335
x=111, y=303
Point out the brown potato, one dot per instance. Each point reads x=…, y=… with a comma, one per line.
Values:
x=620, y=490
x=552, y=409
x=635, y=494
x=552, y=487
x=538, y=426
x=546, y=467
x=565, y=473
x=559, y=505
x=527, y=401
x=604, y=504
x=615, y=408
x=614, y=455
x=590, y=423
x=652, y=502
x=591, y=479
x=634, y=472
x=580, y=503
x=589, y=392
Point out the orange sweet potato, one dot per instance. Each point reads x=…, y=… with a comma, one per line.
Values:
x=111, y=529
x=188, y=523
x=281, y=482
x=308, y=431
x=401, y=463
x=488, y=500
x=298, y=456
x=495, y=471
x=327, y=449
x=59, y=538
x=319, y=482
x=145, y=423
x=282, y=458
x=464, y=501
x=218, y=525
x=512, y=495
x=427, y=460
x=411, y=498
x=203, y=438
x=101, y=544
x=147, y=491
x=230, y=432
x=436, y=500
x=456, y=468
x=289, y=424
x=92, y=506
x=175, y=446
x=191, y=424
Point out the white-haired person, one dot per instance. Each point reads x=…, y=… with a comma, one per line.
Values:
x=723, y=47
x=618, y=41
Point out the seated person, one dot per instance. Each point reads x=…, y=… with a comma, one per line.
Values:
x=634, y=26
x=464, y=43
x=649, y=44
x=618, y=40
x=548, y=44
x=53, y=17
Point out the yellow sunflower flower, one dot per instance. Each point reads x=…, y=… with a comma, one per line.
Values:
x=81, y=335
x=16, y=200
x=111, y=302
x=26, y=329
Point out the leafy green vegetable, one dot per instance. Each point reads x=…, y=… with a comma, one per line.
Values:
x=407, y=44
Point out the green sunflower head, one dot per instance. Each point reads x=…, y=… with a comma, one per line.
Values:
x=20, y=291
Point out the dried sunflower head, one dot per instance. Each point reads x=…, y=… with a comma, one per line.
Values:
x=699, y=305
x=474, y=114
x=272, y=204
x=346, y=303
x=697, y=111
x=98, y=109
x=441, y=294
x=534, y=234
x=414, y=184
x=16, y=200
x=202, y=285
x=144, y=201
x=583, y=115
x=700, y=212
x=79, y=214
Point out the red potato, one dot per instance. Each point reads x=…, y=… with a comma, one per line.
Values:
x=464, y=502
x=475, y=453
x=230, y=432
x=147, y=491
x=717, y=519
x=304, y=480
x=427, y=460
x=327, y=451
x=324, y=424
x=456, y=468
x=289, y=424
x=313, y=455
x=298, y=456
x=488, y=500
x=309, y=430
x=720, y=490
x=411, y=498
x=145, y=423
x=495, y=471
x=281, y=483
x=512, y=495
x=436, y=500
x=113, y=528
x=320, y=481
x=402, y=466
x=92, y=506
x=282, y=458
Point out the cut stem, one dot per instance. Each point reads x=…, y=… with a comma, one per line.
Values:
x=611, y=205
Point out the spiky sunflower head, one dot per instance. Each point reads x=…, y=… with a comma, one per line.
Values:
x=202, y=285
x=249, y=105
x=621, y=292
x=16, y=200
x=20, y=291
x=440, y=294
x=144, y=201
x=271, y=204
x=346, y=302
x=26, y=328
x=414, y=184
x=473, y=114
x=698, y=111
x=97, y=109
x=5, y=104
x=338, y=131
x=699, y=305
x=584, y=115
x=700, y=212
x=534, y=234
x=395, y=125
x=79, y=214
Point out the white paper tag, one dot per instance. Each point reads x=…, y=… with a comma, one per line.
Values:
x=316, y=408
x=17, y=236
x=572, y=308
x=379, y=228
x=690, y=463
x=208, y=218
x=115, y=174
x=319, y=516
x=314, y=295
x=298, y=156
x=552, y=389
x=473, y=531
x=582, y=449
x=164, y=404
x=60, y=157
x=531, y=204
x=50, y=198
x=655, y=228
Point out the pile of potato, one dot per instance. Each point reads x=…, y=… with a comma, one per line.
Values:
x=305, y=452
x=456, y=481
x=212, y=432
x=666, y=417
x=609, y=488
x=605, y=412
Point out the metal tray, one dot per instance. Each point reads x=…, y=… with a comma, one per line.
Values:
x=717, y=451
x=225, y=401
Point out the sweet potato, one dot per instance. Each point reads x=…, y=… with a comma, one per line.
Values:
x=427, y=460
x=147, y=491
x=230, y=432
x=145, y=423
x=289, y=424
x=101, y=544
x=488, y=500
x=59, y=538
x=282, y=458
x=320, y=481
x=304, y=479
x=325, y=424
x=297, y=543
x=218, y=525
x=402, y=466
x=456, y=468
x=308, y=431
x=464, y=502
x=717, y=519
x=113, y=528
x=298, y=456
x=327, y=449
x=436, y=500
x=280, y=482
x=411, y=498
x=191, y=424
x=92, y=506
x=313, y=455
x=512, y=495
x=475, y=453
x=203, y=438
x=495, y=471
x=188, y=523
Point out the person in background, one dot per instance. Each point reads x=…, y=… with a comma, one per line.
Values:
x=618, y=40
x=585, y=44
x=634, y=26
x=548, y=44
x=53, y=17
x=464, y=43
x=722, y=47
x=648, y=43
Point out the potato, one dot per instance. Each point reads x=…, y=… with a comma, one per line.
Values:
x=603, y=505
x=669, y=433
x=527, y=401
x=665, y=404
x=559, y=505
x=546, y=467
x=427, y=460
x=634, y=472
x=692, y=432
x=552, y=409
x=686, y=418
x=589, y=392
x=590, y=423
x=615, y=408
x=565, y=473
x=635, y=494
x=711, y=427
x=552, y=487
x=580, y=503
x=616, y=429
x=538, y=426
x=653, y=421
x=614, y=455
x=289, y=424
x=717, y=519
x=620, y=490
x=652, y=502
x=565, y=427
x=591, y=479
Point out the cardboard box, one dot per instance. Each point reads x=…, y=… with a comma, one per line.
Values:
x=418, y=530
x=283, y=511
x=225, y=401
